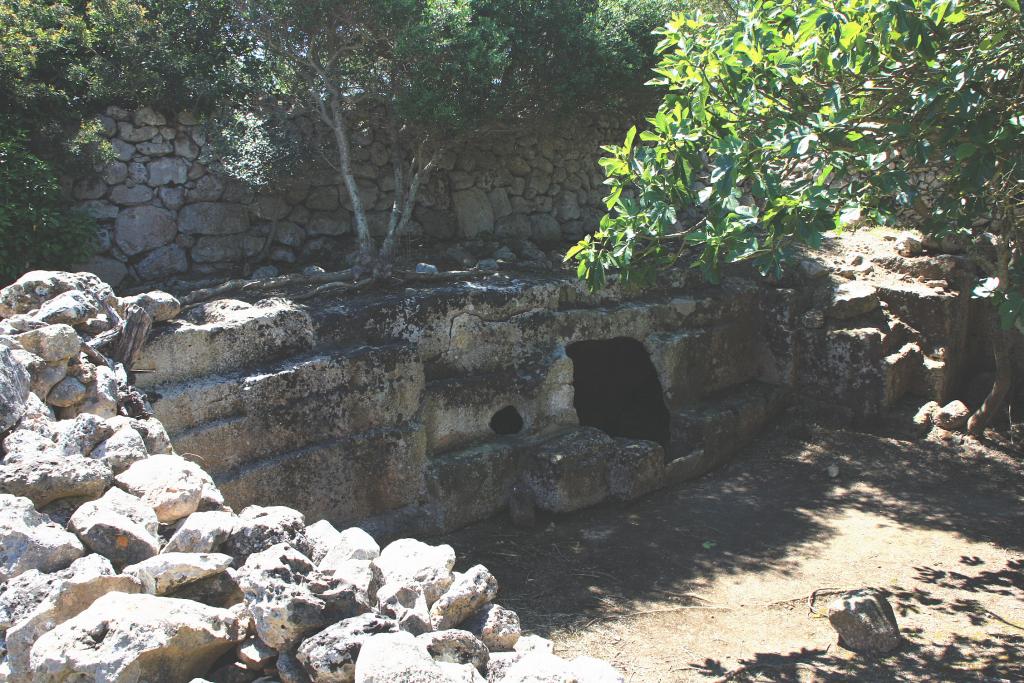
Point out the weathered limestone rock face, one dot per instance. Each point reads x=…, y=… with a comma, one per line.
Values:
x=175, y=585
x=423, y=409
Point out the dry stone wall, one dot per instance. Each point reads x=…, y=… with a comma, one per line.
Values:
x=165, y=212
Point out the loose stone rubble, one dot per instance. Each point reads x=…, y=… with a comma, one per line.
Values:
x=121, y=562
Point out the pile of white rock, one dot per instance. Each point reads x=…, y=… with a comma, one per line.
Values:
x=119, y=560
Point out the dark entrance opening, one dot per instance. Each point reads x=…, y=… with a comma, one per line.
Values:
x=507, y=421
x=617, y=389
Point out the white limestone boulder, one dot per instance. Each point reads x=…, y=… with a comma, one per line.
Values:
x=330, y=656
x=391, y=657
x=467, y=593
x=161, y=306
x=32, y=540
x=51, y=343
x=123, y=637
x=496, y=626
x=166, y=572
x=50, y=476
x=71, y=592
x=350, y=544
x=121, y=450
x=14, y=389
x=202, y=532
x=118, y=526
x=456, y=646
x=260, y=528
x=278, y=594
x=36, y=287
x=412, y=563
x=167, y=483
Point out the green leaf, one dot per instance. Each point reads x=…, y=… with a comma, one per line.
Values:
x=1012, y=4
x=627, y=146
x=965, y=151
x=573, y=251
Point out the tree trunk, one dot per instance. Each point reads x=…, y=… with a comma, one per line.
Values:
x=1003, y=381
x=137, y=324
x=404, y=215
x=338, y=124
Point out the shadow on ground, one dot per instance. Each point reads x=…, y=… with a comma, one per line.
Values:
x=773, y=511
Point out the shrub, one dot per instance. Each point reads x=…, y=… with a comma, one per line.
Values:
x=37, y=227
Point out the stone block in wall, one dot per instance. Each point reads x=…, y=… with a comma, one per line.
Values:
x=130, y=133
x=289, y=234
x=172, y=197
x=117, y=113
x=110, y=270
x=368, y=192
x=518, y=166
x=300, y=215
x=545, y=228
x=461, y=180
x=516, y=225
x=154, y=149
x=196, y=171
x=568, y=208
x=131, y=195
x=539, y=183
x=238, y=192
x=213, y=218
x=517, y=186
x=499, y=202
x=137, y=173
x=184, y=147
x=209, y=188
x=271, y=207
x=167, y=171
x=296, y=192
x=333, y=224
x=108, y=126
x=437, y=224
x=104, y=239
x=323, y=199
x=100, y=210
x=141, y=228
x=321, y=250
x=162, y=263
x=115, y=172
x=282, y=255
x=123, y=150
x=216, y=248
x=473, y=212
x=147, y=116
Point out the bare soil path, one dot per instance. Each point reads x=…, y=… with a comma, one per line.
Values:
x=713, y=578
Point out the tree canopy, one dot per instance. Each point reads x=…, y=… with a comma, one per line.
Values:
x=436, y=74
x=797, y=118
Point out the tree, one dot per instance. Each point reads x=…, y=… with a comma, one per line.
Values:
x=435, y=74
x=808, y=115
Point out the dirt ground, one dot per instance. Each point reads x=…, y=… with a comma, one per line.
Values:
x=714, y=579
